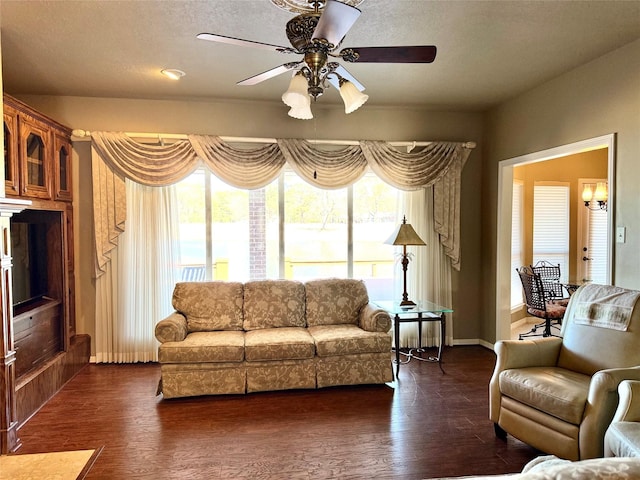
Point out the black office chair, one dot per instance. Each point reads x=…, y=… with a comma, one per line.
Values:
x=538, y=305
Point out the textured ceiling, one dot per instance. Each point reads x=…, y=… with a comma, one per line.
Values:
x=488, y=51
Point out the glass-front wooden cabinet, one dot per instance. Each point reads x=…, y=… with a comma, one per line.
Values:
x=62, y=167
x=34, y=158
x=37, y=154
x=11, y=151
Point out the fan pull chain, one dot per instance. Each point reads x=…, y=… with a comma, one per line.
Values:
x=315, y=135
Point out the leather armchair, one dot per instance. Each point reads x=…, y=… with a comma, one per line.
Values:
x=559, y=395
x=623, y=435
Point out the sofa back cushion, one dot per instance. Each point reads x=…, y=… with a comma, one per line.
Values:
x=335, y=301
x=273, y=303
x=209, y=306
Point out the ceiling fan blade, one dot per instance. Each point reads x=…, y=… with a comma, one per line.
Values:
x=274, y=72
x=336, y=20
x=416, y=54
x=212, y=37
x=333, y=80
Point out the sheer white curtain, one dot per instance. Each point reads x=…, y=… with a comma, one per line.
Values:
x=429, y=273
x=136, y=292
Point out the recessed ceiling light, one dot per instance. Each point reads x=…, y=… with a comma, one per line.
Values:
x=173, y=73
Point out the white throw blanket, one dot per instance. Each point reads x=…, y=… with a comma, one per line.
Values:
x=605, y=306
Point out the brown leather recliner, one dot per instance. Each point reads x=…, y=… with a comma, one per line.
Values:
x=559, y=395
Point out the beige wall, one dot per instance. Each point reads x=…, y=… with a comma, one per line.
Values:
x=271, y=120
x=598, y=98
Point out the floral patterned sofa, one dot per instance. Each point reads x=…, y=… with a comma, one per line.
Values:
x=550, y=467
x=232, y=337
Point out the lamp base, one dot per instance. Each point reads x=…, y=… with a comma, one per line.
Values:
x=407, y=303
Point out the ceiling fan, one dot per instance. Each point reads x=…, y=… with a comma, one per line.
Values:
x=317, y=34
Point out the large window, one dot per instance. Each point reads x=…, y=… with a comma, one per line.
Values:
x=289, y=229
x=551, y=225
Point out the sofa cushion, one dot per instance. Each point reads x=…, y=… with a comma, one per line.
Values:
x=285, y=343
x=204, y=347
x=335, y=301
x=538, y=388
x=209, y=306
x=332, y=340
x=273, y=303
x=623, y=439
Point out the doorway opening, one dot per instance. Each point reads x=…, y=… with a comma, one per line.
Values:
x=504, y=223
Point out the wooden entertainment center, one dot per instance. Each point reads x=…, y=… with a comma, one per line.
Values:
x=38, y=342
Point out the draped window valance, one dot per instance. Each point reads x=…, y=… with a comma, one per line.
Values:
x=115, y=156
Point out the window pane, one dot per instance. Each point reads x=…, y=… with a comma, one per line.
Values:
x=551, y=226
x=238, y=240
x=191, y=210
x=315, y=230
x=229, y=231
x=272, y=226
x=374, y=219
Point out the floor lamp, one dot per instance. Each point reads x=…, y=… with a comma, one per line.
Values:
x=405, y=235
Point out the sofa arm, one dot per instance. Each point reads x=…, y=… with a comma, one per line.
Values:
x=602, y=402
x=629, y=405
x=374, y=319
x=172, y=329
x=538, y=352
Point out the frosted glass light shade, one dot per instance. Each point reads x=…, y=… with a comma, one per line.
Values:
x=301, y=112
x=296, y=95
x=352, y=97
x=587, y=193
x=602, y=193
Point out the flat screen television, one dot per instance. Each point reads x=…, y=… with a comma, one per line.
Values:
x=29, y=251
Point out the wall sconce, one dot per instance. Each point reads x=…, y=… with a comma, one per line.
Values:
x=601, y=195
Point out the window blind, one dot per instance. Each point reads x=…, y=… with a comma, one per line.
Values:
x=551, y=225
x=516, y=243
x=597, y=266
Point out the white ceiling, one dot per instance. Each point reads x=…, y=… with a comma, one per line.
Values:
x=488, y=50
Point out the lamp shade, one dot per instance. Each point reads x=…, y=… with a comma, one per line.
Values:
x=587, y=193
x=352, y=97
x=302, y=112
x=404, y=234
x=296, y=95
x=601, y=194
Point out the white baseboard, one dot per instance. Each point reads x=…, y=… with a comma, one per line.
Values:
x=473, y=341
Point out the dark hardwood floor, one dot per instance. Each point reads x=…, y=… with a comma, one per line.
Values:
x=426, y=424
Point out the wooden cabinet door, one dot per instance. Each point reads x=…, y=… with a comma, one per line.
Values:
x=11, y=175
x=35, y=158
x=62, y=167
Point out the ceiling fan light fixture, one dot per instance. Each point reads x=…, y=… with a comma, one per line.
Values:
x=301, y=112
x=317, y=33
x=296, y=95
x=172, y=73
x=352, y=97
